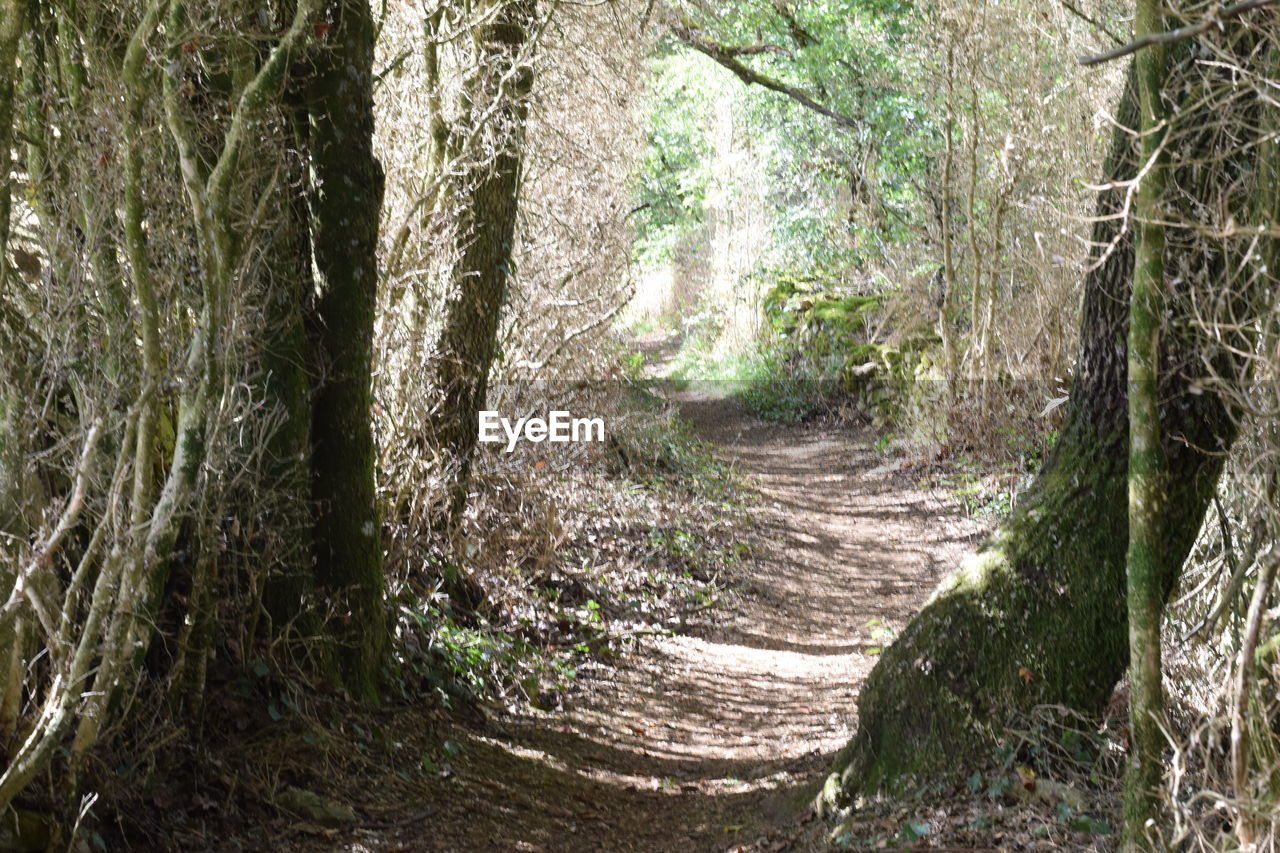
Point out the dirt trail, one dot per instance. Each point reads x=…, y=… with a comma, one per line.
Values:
x=710, y=742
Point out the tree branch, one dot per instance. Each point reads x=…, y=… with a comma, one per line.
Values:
x=802, y=37
x=755, y=49
x=1212, y=18
x=726, y=56
x=1093, y=22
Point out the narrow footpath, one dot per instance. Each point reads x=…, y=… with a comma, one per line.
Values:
x=717, y=741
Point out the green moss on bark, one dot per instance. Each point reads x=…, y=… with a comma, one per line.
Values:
x=1149, y=494
x=287, y=383
x=1039, y=614
x=346, y=205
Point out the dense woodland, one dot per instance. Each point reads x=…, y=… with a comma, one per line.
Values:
x=264, y=262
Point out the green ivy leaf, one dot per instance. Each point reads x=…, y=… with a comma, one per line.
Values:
x=1090, y=824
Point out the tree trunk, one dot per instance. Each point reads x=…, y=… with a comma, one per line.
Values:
x=1148, y=477
x=11, y=25
x=487, y=208
x=288, y=380
x=346, y=204
x=1039, y=614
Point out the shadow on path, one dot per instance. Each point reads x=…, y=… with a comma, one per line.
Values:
x=705, y=742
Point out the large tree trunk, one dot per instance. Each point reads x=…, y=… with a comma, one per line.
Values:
x=487, y=207
x=288, y=380
x=1039, y=614
x=347, y=186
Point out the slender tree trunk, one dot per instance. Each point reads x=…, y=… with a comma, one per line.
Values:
x=346, y=204
x=487, y=207
x=13, y=365
x=1244, y=706
x=11, y=26
x=1253, y=661
x=1038, y=615
x=1148, y=475
x=945, y=330
x=974, y=358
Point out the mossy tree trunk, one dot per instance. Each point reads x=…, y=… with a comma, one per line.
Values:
x=1038, y=616
x=288, y=379
x=487, y=205
x=346, y=204
x=1148, y=478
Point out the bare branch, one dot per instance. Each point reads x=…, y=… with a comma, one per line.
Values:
x=1212, y=18
x=1091, y=21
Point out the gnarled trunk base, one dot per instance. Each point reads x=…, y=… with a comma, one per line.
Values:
x=1038, y=616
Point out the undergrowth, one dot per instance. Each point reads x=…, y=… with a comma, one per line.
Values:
x=568, y=555
x=828, y=351
x=570, y=552
x=1050, y=784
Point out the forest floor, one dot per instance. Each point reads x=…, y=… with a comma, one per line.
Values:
x=716, y=736
x=715, y=739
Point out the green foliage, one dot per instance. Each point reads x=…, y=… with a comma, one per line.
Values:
x=846, y=54
x=666, y=454
x=817, y=351
x=455, y=660
x=806, y=306
x=674, y=177
x=820, y=350
x=785, y=399
x=1090, y=824
x=836, y=201
x=913, y=830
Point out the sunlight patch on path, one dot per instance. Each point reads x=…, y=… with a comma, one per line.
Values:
x=692, y=739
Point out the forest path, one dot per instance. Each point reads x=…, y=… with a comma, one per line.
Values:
x=713, y=741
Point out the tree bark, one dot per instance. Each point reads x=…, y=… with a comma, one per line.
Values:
x=346, y=204
x=487, y=207
x=1148, y=477
x=1038, y=616
x=11, y=26
x=287, y=385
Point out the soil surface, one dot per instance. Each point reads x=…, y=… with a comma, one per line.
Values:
x=717, y=740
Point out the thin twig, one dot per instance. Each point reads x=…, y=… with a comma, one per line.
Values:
x=1245, y=829
x=1091, y=21
x=1212, y=18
